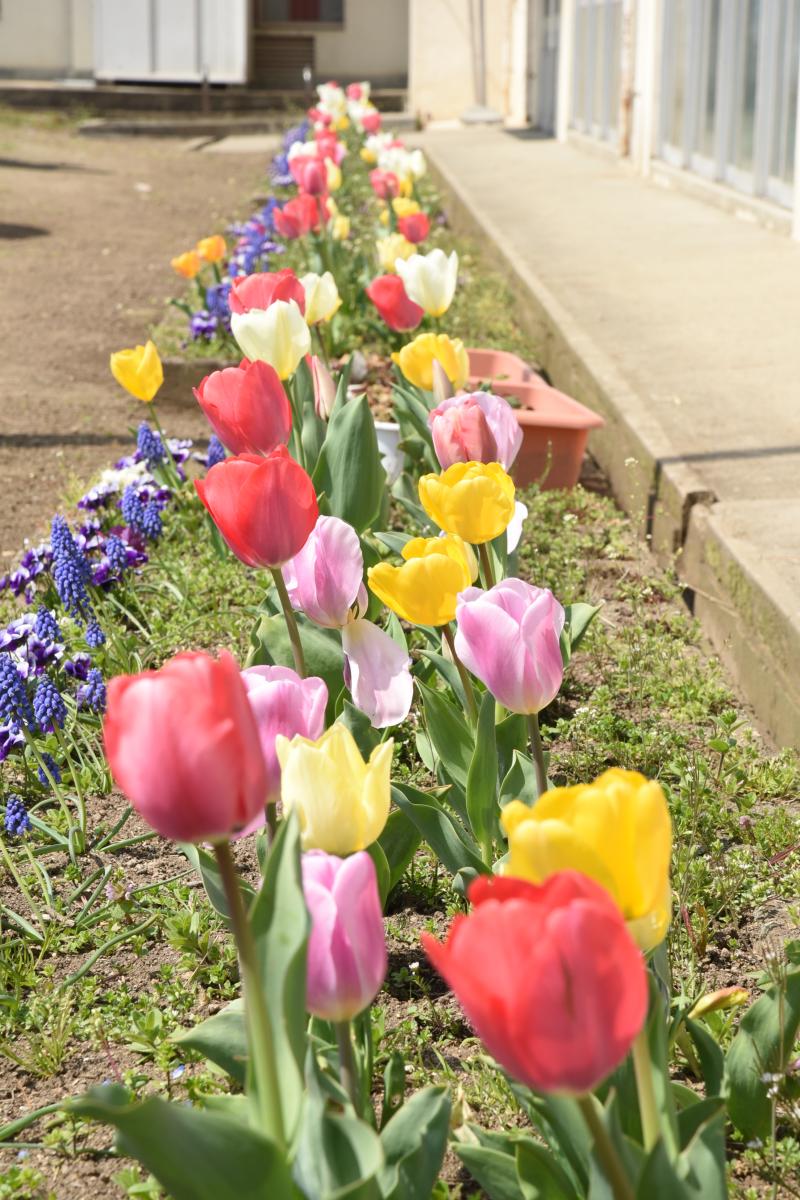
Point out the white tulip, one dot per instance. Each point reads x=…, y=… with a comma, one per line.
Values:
x=322, y=297
x=430, y=280
x=277, y=335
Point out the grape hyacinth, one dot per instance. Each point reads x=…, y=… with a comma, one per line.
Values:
x=16, y=820
x=117, y=554
x=70, y=571
x=52, y=766
x=215, y=453
x=92, y=694
x=94, y=635
x=15, y=706
x=49, y=708
x=149, y=445
x=46, y=626
x=151, y=524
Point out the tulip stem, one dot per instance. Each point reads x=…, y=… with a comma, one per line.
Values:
x=466, y=682
x=321, y=344
x=348, y=1070
x=645, y=1089
x=291, y=623
x=606, y=1151
x=537, y=753
x=262, y=1050
x=486, y=563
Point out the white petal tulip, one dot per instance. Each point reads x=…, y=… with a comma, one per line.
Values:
x=277, y=335
x=322, y=297
x=430, y=280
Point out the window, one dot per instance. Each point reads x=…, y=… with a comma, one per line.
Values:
x=596, y=68
x=300, y=12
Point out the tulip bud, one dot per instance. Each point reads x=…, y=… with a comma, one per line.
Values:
x=442, y=387
x=321, y=296
x=462, y=434
x=347, y=945
x=324, y=388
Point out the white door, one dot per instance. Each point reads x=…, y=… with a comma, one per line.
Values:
x=171, y=41
x=548, y=65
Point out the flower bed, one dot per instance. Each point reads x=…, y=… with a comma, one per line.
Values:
x=358, y=610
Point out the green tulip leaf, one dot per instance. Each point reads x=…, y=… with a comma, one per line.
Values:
x=414, y=1142
x=494, y=1168
x=452, y=846
x=194, y=1154
x=519, y=782
x=762, y=1047
x=451, y=737
x=383, y=872
x=222, y=1039
x=399, y=842
x=577, y=619
x=349, y=469
x=206, y=867
x=280, y=924
x=482, y=778
x=541, y=1176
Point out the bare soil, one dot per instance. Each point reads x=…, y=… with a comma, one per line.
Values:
x=87, y=231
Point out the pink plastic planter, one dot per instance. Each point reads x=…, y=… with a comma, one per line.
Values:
x=554, y=426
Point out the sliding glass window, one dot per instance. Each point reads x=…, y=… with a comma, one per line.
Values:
x=596, y=68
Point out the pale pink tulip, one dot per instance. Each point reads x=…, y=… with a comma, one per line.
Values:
x=457, y=431
x=325, y=580
x=377, y=673
x=284, y=703
x=509, y=638
x=347, y=945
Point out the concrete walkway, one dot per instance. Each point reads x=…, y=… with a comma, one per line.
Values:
x=680, y=324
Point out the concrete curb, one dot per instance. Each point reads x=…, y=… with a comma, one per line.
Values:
x=750, y=615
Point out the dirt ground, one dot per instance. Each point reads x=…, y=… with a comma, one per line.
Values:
x=87, y=229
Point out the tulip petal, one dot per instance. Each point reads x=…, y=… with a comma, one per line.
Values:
x=378, y=673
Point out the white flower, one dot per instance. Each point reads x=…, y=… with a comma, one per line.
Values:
x=322, y=297
x=430, y=280
x=277, y=335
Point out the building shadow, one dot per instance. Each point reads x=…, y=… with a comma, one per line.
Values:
x=10, y=232
x=24, y=164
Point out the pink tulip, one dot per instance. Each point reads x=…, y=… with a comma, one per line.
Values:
x=183, y=746
x=264, y=288
x=309, y=174
x=509, y=638
x=500, y=418
x=347, y=946
x=284, y=703
x=377, y=673
x=461, y=434
x=325, y=580
x=247, y=407
x=324, y=388
x=371, y=121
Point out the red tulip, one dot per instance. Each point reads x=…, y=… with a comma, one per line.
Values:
x=265, y=508
x=385, y=184
x=415, y=227
x=263, y=288
x=329, y=146
x=297, y=217
x=549, y=977
x=371, y=121
x=183, y=746
x=389, y=297
x=309, y=174
x=246, y=407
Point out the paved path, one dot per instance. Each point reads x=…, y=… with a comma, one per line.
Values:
x=87, y=229
x=689, y=319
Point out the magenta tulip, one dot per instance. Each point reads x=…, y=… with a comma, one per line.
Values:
x=377, y=671
x=347, y=946
x=246, y=407
x=325, y=580
x=284, y=703
x=183, y=746
x=509, y=638
x=460, y=436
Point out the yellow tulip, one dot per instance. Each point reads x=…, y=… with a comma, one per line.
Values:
x=474, y=500
x=404, y=207
x=425, y=588
x=416, y=360
x=342, y=124
x=139, y=370
x=616, y=830
x=406, y=185
x=187, y=264
x=393, y=247
x=367, y=156
x=213, y=248
x=333, y=175
x=342, y=802
x=340, y=228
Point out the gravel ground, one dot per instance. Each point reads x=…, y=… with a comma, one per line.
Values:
x=87, y=229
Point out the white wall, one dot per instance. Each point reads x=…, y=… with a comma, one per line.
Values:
x=373, y=44
x=45, y=38
x=171, y=40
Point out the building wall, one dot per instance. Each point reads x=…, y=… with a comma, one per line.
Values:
x=46, y=38
x=373, y=44
x=441, y=63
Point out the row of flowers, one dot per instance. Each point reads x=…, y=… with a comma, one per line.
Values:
x=559, y=959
